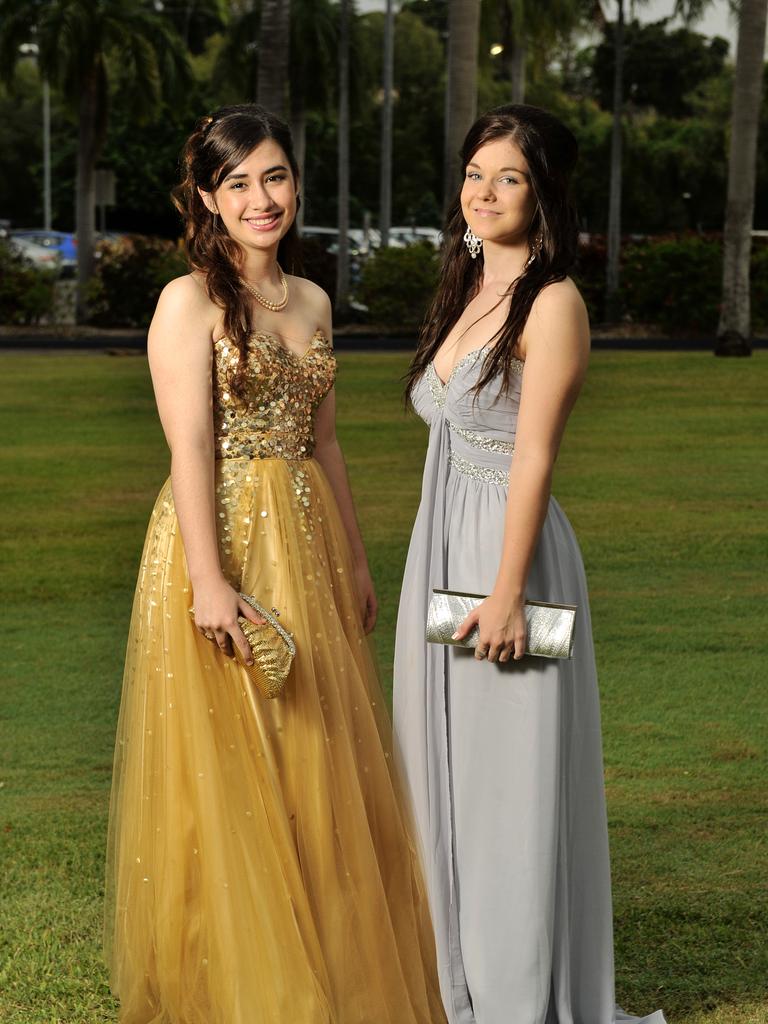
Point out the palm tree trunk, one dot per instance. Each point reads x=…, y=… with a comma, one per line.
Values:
x=612, y=310
x=189, y=7
x=85, y=197
x=514, y=49
x=299, y=133
x=461, y=90
x=342, y=267
x=385, y=192
x=274, y=52
x=734, y=329
x=517, y=71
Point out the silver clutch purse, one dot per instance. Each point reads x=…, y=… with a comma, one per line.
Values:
x=550, y=626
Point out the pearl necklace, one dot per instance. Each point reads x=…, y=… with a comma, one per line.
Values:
x=275, y=307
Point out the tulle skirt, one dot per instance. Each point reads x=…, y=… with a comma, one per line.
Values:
x=261, y=868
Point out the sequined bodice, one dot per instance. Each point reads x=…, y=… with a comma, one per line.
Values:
x=274, y=418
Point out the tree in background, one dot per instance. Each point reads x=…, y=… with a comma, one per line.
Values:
x=675, y=82
x=663, y=66
x=311, y=69
x=342, y=264
x=274, y=52
x=461, y=86
x=614, y=194
x=735, y=324
x=521, y=26
x=22, y=158
x=196, y=20
x=75, y=40
x=612, y=298
x=314, y=35
x=734, y=330
x=387, y=102
x=676, y=124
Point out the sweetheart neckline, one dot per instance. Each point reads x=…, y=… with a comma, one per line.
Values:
x=274, y=338
x=456, y=365
x=444, y=384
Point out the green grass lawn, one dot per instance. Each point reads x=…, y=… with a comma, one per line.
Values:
x=663, y=476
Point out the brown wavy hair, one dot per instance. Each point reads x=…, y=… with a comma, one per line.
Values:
x=220, y=142
x=550, y=150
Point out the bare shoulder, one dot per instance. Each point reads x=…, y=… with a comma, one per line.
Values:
x=313, y=298
x=184, y=309
x=187, y=293
x=558, y=318
x=560, y=299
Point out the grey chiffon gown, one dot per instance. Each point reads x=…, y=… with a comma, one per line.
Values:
x=503, y=763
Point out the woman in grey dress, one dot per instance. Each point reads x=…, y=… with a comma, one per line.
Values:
x=502, y=752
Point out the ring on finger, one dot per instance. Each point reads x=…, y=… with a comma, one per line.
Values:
x=209, y=635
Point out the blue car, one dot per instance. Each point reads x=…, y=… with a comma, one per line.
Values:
x=62, y=242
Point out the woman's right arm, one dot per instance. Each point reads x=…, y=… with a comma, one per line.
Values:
x=180, y=361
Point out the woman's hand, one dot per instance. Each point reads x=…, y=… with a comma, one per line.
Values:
x=502, y=628
x=217, y=607
x=369, y=606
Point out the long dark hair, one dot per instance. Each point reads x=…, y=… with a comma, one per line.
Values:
x=218, y=144
x=550, y=150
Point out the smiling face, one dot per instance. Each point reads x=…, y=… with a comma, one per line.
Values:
x=257, y=198
x=497, y=197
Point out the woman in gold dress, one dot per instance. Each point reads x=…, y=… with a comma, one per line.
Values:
x=260, y=867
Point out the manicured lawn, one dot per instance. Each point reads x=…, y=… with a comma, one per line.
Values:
x=662, y=474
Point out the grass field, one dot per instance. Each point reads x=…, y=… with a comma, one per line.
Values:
x=662, y=474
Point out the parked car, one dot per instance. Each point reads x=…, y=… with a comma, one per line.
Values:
x=330, y=236
x=400, y=236
x=360, y=241
x=41, y=256
x=329, y=239
x=61, y=242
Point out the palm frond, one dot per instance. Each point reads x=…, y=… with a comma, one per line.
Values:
x=314, y=45
x=236, y=63
x=154, y=59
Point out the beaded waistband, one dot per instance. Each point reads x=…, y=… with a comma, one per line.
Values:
x=249, y=455
x=485, y=474
x=482, y=442
x=256, y=442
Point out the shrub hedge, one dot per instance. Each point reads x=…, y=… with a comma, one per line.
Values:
x=129, y=276
x=397, y=284
x=671, y=282
x=26, y=293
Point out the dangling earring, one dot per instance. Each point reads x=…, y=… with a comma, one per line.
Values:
x=472, y=242
x=534, y=251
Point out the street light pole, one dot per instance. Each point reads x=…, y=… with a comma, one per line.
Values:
x=33, y=50
x=46, y=155
x=385, y=193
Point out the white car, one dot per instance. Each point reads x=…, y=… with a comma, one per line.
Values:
x=40, y=256
x=401, y=236
x=359, y=245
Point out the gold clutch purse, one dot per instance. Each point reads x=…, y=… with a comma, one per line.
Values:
x=550, y=626
x=272, y=646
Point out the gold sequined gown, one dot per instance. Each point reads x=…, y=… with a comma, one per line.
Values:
x=260, y=869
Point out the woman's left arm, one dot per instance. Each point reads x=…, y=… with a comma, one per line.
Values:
x=556, y=350
x=328, y=454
